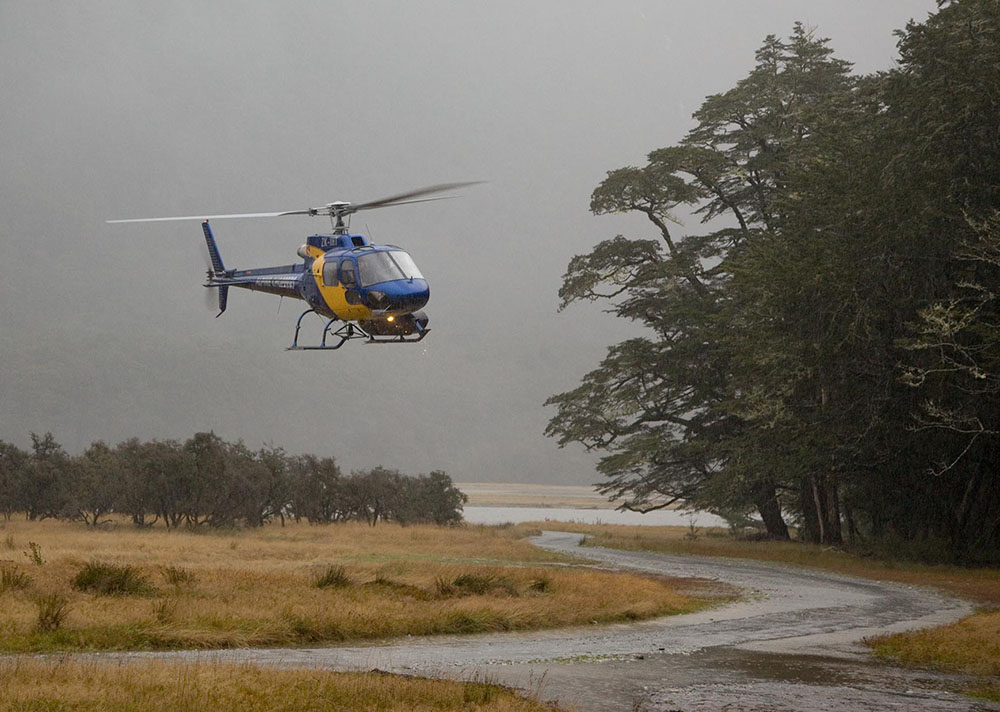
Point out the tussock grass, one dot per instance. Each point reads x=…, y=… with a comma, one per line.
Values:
x=177, y=576
x=13, y=579
x=52, y=611
x=28, y=684
x=263, y=591
x=106, y=579
x=333, y=577
x=488, y=582
x=971, y=646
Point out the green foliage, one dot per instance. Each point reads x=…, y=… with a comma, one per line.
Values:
x=107, y=579
x=828, y=349
x=206, y=482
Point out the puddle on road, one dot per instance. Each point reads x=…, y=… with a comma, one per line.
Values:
x=753, y=681
x=731, y=680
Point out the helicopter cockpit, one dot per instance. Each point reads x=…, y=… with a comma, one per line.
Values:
x=378, y=267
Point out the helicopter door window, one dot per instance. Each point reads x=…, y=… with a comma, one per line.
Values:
x=330, y=274
x=347, y=274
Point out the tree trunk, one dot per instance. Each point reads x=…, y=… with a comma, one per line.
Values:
x=834, y=530
x=807, y=529
x=770, y=511
x=852, y=528
x=821, y=528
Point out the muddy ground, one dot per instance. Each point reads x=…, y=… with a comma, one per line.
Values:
x=792, y=644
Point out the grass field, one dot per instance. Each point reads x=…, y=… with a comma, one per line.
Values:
x=294, y=585
x=971, y=646
x=31, y=684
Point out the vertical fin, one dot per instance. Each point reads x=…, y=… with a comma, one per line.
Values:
x=213, y=252
x=223, y=298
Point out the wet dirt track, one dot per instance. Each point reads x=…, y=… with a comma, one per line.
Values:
x=793, y=645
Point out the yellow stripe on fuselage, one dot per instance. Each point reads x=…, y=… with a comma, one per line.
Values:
x=334, y=296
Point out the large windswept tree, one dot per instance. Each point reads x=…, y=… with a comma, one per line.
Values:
x=827, y=347
x=656, y=405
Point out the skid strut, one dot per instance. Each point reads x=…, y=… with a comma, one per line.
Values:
x=348, y=331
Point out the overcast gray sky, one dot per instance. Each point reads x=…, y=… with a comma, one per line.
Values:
x=124, y=109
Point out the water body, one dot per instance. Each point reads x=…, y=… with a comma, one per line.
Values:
x=661, y=517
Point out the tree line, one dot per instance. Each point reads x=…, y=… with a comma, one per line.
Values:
x=206, y=481
x=826, y=351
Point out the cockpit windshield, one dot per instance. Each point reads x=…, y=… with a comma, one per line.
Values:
x=376, y=267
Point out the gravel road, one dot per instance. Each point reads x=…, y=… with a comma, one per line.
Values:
x=792, y=644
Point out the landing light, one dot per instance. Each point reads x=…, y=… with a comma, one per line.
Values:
x=390, y=318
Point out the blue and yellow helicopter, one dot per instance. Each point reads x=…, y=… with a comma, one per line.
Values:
x=366, y=291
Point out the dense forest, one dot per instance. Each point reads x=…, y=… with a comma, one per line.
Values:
x=825, y=352
x=206, y=481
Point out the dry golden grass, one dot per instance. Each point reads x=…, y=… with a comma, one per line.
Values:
x=258, y=587
x=27, y=684
x=971, y=646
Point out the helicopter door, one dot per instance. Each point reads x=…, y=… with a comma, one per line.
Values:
x=349, y=279
x=330, y=274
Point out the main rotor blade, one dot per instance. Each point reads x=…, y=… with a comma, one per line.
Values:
x=332, y=209
x=209, y=217
x=403, y=198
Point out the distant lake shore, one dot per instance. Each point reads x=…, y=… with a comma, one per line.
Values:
x=501, y=502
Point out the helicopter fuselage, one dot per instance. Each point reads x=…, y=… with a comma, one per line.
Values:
x=341, y=276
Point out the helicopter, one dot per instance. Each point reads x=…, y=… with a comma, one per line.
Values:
x=369, y=292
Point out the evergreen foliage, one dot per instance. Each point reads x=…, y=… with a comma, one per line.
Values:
x=826, y=351
x=208, y=482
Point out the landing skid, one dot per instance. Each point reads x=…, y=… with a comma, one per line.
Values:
x=347, y=331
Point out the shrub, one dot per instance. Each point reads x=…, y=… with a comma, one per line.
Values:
x=444, y=587
x=52, y=610
x=388, y=585
x=540, y=585
x=34, y=554
x=11, y=578
x=481, y=584
x=177, y=576
x=333, y=577
x=111, y=580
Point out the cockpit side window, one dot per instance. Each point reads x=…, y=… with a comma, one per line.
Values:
x=330, y=273
x=347, y=273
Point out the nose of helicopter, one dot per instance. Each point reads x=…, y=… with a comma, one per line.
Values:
x=402, y=296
